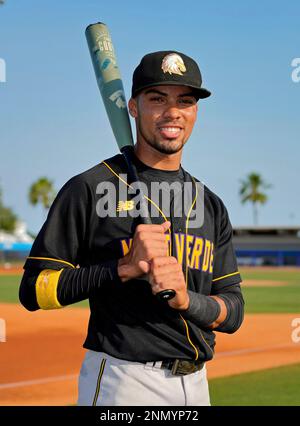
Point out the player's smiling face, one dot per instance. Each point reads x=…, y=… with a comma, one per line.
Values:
x=165, y=116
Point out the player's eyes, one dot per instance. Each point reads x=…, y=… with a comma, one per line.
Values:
x=187, y=101
x=157, y=99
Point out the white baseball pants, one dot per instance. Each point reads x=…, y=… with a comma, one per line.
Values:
x=108, y=381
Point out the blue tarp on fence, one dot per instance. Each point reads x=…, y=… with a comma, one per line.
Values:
x=15, y=246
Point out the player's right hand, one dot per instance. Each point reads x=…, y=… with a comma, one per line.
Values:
x=149, y=241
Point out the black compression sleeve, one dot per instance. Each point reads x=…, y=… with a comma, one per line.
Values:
x=27, y=294
x=202, y=310
x=235, y=312
x=75, y=285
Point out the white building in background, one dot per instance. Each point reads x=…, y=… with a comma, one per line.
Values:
x=19, y=238
x=21, y=233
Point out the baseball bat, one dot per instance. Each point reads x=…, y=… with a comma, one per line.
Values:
x=112, y=92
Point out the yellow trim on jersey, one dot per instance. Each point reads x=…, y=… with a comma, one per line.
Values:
x=116, y=174
x=206, y=342
x=186, y=233
x=147, y=198
x=53, y=260
x=225, y=276
x=101, y=371
x=186, y=268
x=188, y=336
x=46, y=289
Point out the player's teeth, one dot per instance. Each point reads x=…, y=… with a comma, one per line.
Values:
x=170, y=129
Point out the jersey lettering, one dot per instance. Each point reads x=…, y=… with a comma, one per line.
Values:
x=199, y=251
x=126, y=245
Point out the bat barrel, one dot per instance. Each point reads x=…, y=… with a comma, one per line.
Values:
x=109, y=81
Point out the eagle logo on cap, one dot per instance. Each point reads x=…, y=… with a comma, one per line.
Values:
x=173, y=64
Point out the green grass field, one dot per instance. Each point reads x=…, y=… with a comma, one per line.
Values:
x=9, y=288
x=283, y=299
x=257, y=300
x=275, y=386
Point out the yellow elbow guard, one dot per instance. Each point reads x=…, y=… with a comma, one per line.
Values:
x=46, y=289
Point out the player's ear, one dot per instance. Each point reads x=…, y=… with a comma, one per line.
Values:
x=132, y=106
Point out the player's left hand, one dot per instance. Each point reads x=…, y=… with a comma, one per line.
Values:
x=166, y=273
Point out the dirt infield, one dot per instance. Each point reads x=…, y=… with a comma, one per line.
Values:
x=14, y=270
x=41, y=359
x=44, y=348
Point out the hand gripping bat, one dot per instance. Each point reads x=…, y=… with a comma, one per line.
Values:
x=112, y=92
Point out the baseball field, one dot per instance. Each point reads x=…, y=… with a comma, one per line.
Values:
x=258, y=365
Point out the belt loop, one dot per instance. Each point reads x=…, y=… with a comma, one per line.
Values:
x=175, y=366
x=157, y=365
x=149, y=365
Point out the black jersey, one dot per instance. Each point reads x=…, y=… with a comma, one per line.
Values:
x=127, y=321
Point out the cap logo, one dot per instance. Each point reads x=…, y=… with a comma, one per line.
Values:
x=173, y=64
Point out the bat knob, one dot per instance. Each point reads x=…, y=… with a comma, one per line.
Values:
x=166, y=295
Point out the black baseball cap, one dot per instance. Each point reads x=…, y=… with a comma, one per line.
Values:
x=168, y=67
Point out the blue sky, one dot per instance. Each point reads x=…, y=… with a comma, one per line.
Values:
x=52, y=121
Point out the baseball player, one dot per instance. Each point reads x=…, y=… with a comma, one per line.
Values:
x=141, y=350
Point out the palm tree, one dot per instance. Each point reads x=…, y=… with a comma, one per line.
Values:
x=42, y=192
x=8, y=219
x=251, y=190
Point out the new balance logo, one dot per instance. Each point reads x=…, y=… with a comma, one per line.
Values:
x=125, y=206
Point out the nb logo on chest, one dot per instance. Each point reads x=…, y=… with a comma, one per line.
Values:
x=125, y=206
